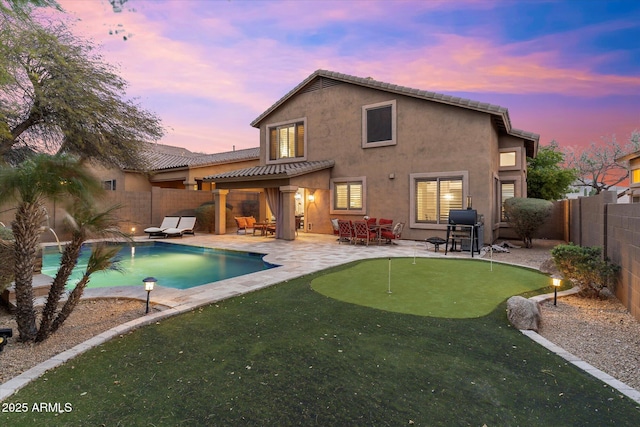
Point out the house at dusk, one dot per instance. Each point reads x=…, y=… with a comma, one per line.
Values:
x=339, y=146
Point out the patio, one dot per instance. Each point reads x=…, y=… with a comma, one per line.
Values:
x=307, y=254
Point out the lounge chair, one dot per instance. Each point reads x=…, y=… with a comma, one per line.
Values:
x=185, y=226
x=167, y=222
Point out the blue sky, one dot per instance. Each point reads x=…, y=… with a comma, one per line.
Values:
x=567, y=70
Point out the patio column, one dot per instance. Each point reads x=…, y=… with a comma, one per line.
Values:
x=188, y=185
x=288, y=193
x=220, y=197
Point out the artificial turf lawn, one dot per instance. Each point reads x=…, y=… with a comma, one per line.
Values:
x=287, y=355
x=430, y=287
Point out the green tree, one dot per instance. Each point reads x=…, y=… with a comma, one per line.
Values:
x=526, y=216
x=596, y=163
x=85, y=222
x=546, y=177
x=61, y=97
x=43, y=177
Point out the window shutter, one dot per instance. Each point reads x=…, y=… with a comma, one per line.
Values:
x=379, y=124
x=300, y=140
x=355, y=196
x=273, y=143
x=450, y=197
x=341, y=196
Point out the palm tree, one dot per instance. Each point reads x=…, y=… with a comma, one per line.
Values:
x=102, y=258
x=84, y=222
x=40, y=178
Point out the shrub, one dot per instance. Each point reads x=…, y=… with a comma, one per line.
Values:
x=586, y=268
x=6, y=233
x=250, y=208
x=206, y=216
x=526, y=216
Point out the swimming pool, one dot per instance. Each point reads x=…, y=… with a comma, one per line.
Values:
x=175, y=266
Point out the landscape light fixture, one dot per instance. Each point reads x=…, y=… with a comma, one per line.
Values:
x=149, y=283
x=4, y=334
x=556, y=281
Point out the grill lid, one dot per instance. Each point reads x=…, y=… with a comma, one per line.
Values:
x=463, y=216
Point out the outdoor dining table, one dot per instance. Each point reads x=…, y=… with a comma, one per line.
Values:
x=264, y=227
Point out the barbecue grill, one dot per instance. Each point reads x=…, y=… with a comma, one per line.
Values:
x=463, y=230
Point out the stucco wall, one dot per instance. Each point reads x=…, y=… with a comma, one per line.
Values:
x=431, y=137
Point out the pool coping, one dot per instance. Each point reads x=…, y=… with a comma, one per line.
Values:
x=292, y=263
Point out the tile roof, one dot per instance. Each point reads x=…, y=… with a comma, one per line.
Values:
x=500, y=113
x=162, y=157
x=280, y=170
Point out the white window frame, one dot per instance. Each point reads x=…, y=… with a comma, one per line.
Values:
x=348, y=180
x=413, y=222
x=109, y=184
x=394, y=120
x=268, y=142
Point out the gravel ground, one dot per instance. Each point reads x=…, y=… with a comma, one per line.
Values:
x=600, y=332
x=90, y=318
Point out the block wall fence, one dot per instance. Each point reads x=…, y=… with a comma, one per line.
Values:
x=600, y=221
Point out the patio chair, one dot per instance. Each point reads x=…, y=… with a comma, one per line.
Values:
x=245, y=223
x=361, y=232
x=336, y=227
x=385, y=224
x=391, y=235
x=185, y=226
x=167, y=222
x=345, y=231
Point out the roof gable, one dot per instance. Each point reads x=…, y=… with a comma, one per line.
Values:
x=323, y=78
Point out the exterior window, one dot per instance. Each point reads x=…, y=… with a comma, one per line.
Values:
x=507, y=158
x=379, y=124
x=507, y=191
x=434, y=197
x=287, y=141
x=635, y=176
x=109, y=185
x=348, y=195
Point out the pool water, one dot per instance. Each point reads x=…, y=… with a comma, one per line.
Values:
x=175, y=266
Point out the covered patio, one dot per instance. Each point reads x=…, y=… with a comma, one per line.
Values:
x=279, y=187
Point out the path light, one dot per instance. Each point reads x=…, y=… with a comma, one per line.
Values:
x=556, y=281
x=4, y=334
x=149, y=283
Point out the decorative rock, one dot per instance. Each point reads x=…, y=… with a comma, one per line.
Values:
x=549, y=267
x=523, y=313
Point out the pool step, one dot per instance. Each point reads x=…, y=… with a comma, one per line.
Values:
x=41, y=285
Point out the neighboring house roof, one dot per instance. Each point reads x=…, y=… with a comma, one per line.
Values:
x=281, y=170
x=628, y=157
x=329, y=78
x=162, y=157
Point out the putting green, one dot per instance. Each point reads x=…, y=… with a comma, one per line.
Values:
x=451, y=288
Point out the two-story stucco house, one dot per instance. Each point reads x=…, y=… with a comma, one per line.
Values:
x=339, y=146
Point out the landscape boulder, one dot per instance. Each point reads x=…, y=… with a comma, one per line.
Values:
x=523, y=313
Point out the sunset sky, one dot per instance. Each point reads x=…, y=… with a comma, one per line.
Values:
x=567, y=70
